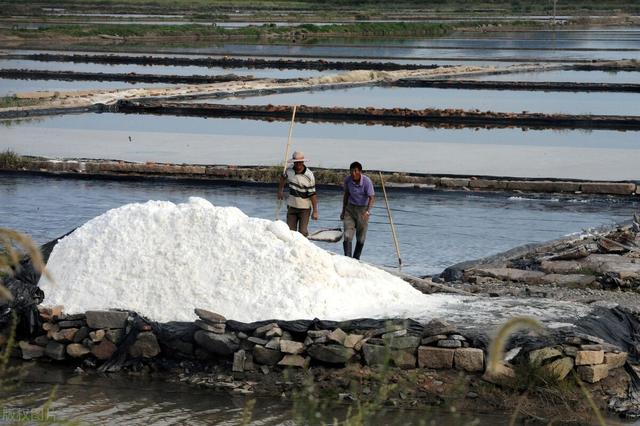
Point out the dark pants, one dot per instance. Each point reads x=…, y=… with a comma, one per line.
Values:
x=298, y=219
x=354, y=223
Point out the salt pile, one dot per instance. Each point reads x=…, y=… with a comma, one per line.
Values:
x=162, y=260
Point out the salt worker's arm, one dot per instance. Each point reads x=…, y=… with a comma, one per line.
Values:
x=345, y=200
x=370, y=203
x=280, y=194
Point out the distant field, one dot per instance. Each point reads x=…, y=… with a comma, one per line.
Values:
x=327, y=7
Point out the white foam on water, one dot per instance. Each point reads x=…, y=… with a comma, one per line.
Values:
x=162, y=260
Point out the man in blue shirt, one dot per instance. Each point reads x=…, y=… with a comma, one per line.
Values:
x=357, y=203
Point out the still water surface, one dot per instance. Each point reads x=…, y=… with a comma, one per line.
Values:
x=593, y=103
x=605, y=155
x=436, y=229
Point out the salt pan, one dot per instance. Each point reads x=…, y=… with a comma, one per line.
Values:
x=162, y=260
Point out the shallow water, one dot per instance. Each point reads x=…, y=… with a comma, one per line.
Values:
x=436, y=229
x=106, y=399
x=11, y=86
x=609, y=77
x=593, y=103
x=155, y=69
x=605, y=155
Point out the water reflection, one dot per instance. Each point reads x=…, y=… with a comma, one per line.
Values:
x=605, y=103
x=602, y=155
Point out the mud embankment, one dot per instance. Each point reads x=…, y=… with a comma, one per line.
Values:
x=29, y=74
x=32, y=74
x=520, y=85
x=388, y=116
x=120, y=170
x=223, y=61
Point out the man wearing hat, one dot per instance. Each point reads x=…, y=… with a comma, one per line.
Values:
x=302, y=194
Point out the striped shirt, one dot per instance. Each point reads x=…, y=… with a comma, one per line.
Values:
x=302, y=186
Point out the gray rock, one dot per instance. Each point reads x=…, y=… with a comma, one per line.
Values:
x=107, y=319
x=42, y=340
x=219, y=328
x=560, y=368
x=433, y=339
x=145, y=346
x=258, y=341
x=332, y=354
x=352, y=340
x=274, y=332
x=511, y=274
x=218, y=344
x=295, y=361
x=438, y=326
x=457, y=337
x=30, y=351
x=403, y=342
x=337, y=336
x=83, y=333
x=248, y=362
x=242, y=335
x=114, y=335
x=71, y=324
x=55, y=350
x=388, y=329
x=64, y=335
x=314, y=334
x=469, y=359
x=375, y=354
x=74, y=317
x=273, y=344
x=239, y=359
x=97, y=336
x=265, y=356
x=397, y=333
x=261, y=331
x=291, y=347
x=403, y=359
x=209, y=316
x=76, y=350
x=437, y=358
x=540, y=356
x=449, y=343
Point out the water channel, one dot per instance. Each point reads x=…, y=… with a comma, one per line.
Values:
x=436, y=229
x=600, y=155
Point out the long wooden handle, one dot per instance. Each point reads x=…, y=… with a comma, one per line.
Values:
x=286, y=151
x=393, y=228
x=286, y=158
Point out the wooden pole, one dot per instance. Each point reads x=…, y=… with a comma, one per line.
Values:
x=286, y=157
x=393, y=228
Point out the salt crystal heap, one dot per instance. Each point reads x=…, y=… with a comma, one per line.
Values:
x=162, y=260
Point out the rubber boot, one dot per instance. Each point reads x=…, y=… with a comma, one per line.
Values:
x=358, y=251
x=346, y=245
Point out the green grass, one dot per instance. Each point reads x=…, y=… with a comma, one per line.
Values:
x=10, y=160
x=13, y=102
x=319, y=7
x=266, y=30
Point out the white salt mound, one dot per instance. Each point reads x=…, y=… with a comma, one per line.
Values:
x=162, y=260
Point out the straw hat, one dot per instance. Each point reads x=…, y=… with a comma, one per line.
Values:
x=297, y=156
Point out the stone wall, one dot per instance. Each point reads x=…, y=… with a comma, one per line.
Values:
x=110, y=339
x=325, y=177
